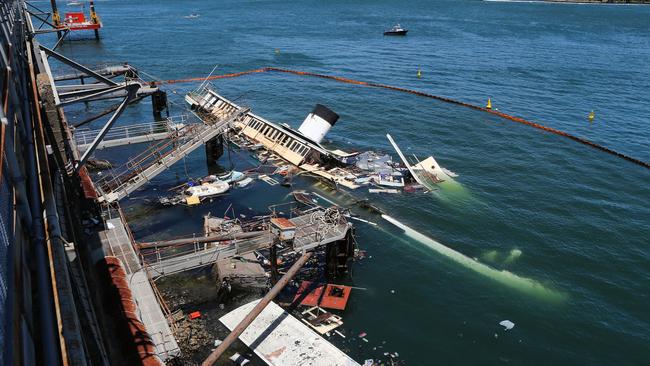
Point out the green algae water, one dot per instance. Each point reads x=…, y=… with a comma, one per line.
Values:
x=550, y=234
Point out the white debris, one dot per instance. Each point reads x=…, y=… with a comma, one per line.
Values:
x=110, y=226
x=507, y=324
x=368, y=362
x=239, y=359
x=217, y=342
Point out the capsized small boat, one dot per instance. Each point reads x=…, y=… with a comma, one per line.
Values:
x=397, y=30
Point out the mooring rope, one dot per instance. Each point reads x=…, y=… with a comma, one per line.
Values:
x=419, y=93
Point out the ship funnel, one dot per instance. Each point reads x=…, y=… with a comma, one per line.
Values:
x=318, y=123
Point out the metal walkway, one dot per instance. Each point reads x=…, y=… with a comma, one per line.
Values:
x=131, y=134
x=205, y=255
x=312, y=230
x=122, y=181
x=117, y=243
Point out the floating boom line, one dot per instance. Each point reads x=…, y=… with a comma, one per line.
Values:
x=419, y=93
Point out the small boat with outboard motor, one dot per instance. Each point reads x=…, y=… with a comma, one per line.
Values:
x=207, y=189
x=397, y=30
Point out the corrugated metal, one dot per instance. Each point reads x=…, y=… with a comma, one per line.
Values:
x=6, y=239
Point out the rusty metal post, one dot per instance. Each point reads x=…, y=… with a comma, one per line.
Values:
x=239, y=329
x=273, y=258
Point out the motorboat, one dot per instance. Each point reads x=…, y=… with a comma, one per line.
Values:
x=244, y=182
x=395, y=179
x=397, y=30
x=207, y=189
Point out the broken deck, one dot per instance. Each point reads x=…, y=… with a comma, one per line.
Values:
x=280, y=339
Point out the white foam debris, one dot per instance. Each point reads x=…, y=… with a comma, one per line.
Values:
x=239, y=359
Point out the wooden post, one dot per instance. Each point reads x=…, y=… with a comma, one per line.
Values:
x=239, y=329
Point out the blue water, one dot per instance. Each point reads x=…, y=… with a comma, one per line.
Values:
x=579, y=217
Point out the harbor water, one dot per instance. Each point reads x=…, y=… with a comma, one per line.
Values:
x=542, y=231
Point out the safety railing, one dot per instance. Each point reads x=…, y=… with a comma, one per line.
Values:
x=86, y=136
x=183, y=141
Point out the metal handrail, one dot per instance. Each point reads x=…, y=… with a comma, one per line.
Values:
x=171, y=124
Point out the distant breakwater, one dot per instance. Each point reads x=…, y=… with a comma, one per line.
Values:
x=616, y=2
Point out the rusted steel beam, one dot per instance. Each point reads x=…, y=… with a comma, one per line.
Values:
x=200, y=240
x=239, y=329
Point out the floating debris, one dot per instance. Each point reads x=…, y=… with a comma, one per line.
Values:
x=507, y=324
x=239, y=359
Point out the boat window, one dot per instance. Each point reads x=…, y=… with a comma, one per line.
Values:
x=285, y=141
x=293, y=144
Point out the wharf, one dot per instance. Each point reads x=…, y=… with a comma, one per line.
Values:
x=312, y=230
x=205, y=255
x=116, y=242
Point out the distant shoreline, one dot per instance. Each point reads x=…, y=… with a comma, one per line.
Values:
x=605, y=2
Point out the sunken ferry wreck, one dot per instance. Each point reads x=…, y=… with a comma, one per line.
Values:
x=301, y=148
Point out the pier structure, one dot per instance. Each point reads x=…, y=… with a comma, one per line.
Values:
x=140, y=169
x=50, y=315
x=312, y=231
x=117, y=242
x=131, y=134
x=73, y=289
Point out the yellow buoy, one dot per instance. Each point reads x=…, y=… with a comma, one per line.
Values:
x=419, y=73
x=489, y=104
x=592, y=115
